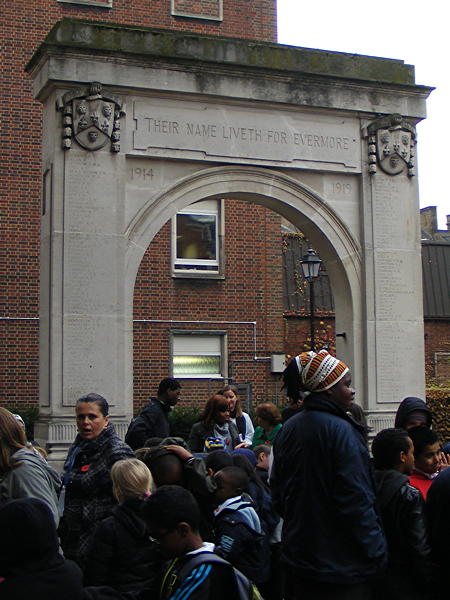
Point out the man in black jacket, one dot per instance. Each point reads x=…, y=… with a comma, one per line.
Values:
x=402, y=512
x=153, y=420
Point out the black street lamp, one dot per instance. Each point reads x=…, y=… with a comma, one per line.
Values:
x=310, y=267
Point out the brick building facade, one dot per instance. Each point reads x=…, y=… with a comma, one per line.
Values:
x=245, y=304
x=23, y=26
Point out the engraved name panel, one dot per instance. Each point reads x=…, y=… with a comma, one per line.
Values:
x=396, y=368
x=206, y=131
x=397, y=282
x=85, y=369
x=90, y=198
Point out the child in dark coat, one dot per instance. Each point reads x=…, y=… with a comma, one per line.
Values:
x=30, y=563
x=238, y=533
x=409, y=572
x=122, y=555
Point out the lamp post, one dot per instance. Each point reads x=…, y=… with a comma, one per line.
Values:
x=310, y=267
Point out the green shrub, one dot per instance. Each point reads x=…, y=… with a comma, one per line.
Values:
x=181, y=420
x=29, y=414
x=438, y=401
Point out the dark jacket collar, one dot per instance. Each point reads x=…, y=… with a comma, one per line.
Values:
x=318, y=401
x=158, y=402
x=388, y=483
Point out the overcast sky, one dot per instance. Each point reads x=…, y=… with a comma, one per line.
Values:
x=405, y=31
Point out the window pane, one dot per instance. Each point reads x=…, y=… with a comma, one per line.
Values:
x=196, y=237
x=200, y=345
x=196, y=365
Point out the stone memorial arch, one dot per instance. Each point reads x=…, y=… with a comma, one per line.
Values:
x=139, y=123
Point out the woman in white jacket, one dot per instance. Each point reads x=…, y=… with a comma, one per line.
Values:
x=239, y=418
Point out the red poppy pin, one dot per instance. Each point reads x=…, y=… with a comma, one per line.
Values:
x=85, y=468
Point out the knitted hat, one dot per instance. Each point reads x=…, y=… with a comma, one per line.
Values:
x=319, y=372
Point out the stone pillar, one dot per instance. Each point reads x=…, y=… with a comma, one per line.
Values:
x=82, y=265
x=393, y=275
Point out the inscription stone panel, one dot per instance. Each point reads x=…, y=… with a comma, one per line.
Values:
x=85, y=368
x=205, y=131
x=90, y=193
x=391, y=228
x=395, y=286
x=91, y=273
x=393, y=360
x=93, y=261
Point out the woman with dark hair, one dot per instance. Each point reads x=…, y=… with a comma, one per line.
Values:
x=268, y=418
x=240, y=418
x=214, y=422
x=23, y=473
x=88, y=488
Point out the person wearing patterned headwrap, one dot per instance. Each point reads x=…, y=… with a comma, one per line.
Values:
x=333, y=545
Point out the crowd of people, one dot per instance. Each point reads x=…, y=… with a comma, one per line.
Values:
x=294, y=508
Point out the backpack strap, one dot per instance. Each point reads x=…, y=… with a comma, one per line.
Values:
x=201, y=558
x=241, y=425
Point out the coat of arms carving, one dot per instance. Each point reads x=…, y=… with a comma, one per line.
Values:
x=391, y=145
x=91, y=118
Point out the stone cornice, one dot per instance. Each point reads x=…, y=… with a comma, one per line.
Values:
x=74, y=36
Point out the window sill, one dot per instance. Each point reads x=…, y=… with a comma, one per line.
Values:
x=197, y=275
x=204, y=377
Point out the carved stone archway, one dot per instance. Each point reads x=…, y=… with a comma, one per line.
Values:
x=178, y=118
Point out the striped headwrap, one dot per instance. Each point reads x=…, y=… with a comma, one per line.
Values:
x=319, y=372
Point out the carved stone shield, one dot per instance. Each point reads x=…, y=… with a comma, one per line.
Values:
x=393, y=149
x=391, y=142
x=93, y=122
x=90, y=117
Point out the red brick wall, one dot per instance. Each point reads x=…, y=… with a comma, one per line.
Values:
x=297, y=333
x=437, y=339
x=251, y=291
x=23, y=26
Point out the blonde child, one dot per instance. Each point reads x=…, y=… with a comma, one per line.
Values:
x=122, y=555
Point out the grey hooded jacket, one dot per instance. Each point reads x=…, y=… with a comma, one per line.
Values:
x=33, y=478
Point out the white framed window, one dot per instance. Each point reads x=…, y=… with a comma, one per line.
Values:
x=199, y=354
x=197, y=234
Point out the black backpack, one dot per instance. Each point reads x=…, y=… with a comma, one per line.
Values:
x=246, y=590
